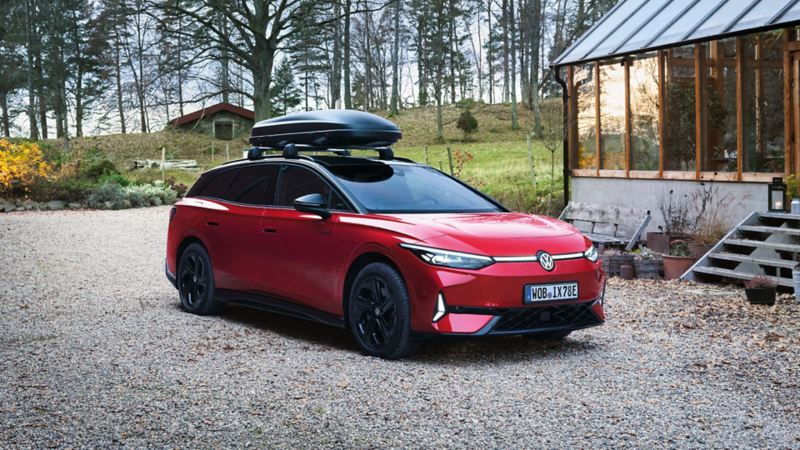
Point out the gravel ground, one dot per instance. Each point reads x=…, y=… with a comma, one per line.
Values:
x=94, y=351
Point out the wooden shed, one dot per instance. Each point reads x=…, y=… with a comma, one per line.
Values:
x=222, y=121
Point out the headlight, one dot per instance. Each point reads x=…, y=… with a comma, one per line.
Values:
x=591, y=254
x=447, y=258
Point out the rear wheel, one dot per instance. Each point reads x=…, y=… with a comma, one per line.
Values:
x=196, y=282
x=379, y=313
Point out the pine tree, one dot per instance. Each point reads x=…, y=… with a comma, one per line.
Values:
x=285, y=94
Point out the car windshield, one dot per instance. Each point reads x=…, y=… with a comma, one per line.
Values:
x=398, y=188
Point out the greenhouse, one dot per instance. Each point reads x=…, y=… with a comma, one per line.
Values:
x=667, y=94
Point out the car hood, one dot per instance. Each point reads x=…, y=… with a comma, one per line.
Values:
x=506, y=234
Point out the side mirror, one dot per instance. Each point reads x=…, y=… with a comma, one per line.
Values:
x=312, y=203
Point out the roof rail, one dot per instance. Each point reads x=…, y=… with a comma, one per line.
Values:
x=292, y=151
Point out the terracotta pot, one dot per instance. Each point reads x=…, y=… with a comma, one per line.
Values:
x=675, y=266
x=658, y=242
x=761, y=296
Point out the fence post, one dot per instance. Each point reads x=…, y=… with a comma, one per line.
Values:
x=163, y=160
x=212, y=153
x=427, y=162
x=227, y=153
x=530, y=162
x=450, y=159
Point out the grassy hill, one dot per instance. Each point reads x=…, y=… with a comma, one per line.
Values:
x=494, y=160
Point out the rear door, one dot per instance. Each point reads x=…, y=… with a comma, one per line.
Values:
x=234, y=233
x=308, y=257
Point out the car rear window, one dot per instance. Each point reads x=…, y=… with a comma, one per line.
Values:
x=217, y=185
x=254, y=185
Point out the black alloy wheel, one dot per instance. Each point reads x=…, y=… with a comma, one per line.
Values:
x=196, y=281
x=379, y=313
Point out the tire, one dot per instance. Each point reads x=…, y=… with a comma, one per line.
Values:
x=196, y=282
x=551, y=336
x=379, y=313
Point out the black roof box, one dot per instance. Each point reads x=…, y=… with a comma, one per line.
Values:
x=332, y=128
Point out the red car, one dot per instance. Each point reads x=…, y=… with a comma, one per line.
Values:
x=394, y=250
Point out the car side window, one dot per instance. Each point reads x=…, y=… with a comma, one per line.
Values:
x=295, y=181
x=255, y=185
x=218, y=185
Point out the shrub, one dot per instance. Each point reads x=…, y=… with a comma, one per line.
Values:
x=467, y=123
x=158, y=193
x=98, y=168
x=679, y=248
x=106, y=193
x=114, y=177
x=21, y=166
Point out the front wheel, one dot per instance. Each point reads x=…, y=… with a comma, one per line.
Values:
x=196, y=282
x=379, y=313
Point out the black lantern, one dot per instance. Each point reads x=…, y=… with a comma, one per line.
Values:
x=776, y=195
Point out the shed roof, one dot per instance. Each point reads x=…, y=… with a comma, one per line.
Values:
x=634, y=26
x=211, y=110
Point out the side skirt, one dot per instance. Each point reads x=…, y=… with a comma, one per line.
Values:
x=269, y=303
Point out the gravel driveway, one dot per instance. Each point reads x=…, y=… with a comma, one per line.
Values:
x=94, y=351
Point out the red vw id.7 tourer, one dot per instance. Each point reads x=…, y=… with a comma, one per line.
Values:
x=391, y=249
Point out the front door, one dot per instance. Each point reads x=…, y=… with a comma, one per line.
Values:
x=306, y=257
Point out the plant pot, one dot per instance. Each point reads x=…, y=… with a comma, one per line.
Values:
x=675, y=266
x=612, y=263
x=658, y=242
x=761, y=296
x=626, y=271
x=697, y=249
x=648, y=269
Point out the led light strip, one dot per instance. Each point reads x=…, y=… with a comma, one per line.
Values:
x=533, y=258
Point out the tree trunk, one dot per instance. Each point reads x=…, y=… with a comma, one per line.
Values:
x=505, y=19
x=536, y=45
x=34, y=129
x=396, y=59
x=348, y=90
x=41, y=92
x=512, y=23
x=6, y=121
x=451, y=32
x=490, y=54
x=336, y=81
x=225, y=63
x=118, y=80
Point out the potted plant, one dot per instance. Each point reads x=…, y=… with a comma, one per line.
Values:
x=760, y=290
x=678, y=261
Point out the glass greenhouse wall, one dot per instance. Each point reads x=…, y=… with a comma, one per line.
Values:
x=709, y=110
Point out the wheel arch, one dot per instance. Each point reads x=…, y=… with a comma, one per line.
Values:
x=186, y=242
x=363, y=260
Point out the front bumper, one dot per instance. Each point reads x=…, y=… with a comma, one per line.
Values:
x=528, y=320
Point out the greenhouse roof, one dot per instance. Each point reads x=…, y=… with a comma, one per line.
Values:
x=635, y=26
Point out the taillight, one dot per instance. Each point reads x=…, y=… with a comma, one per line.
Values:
x=172, y=213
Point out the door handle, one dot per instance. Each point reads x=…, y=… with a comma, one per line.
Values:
x=212, y=224
x=270, y=230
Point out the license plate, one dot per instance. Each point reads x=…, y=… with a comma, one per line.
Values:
x=549, y=292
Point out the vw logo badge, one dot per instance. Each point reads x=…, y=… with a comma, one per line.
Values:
x=546, y=260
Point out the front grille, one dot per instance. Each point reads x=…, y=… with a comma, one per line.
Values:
x=575, y=315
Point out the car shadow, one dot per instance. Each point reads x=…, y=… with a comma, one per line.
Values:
x=290, y=327
x=500, y=350
x=448, y=351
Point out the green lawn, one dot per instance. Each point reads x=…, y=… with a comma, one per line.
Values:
x=495, y=159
